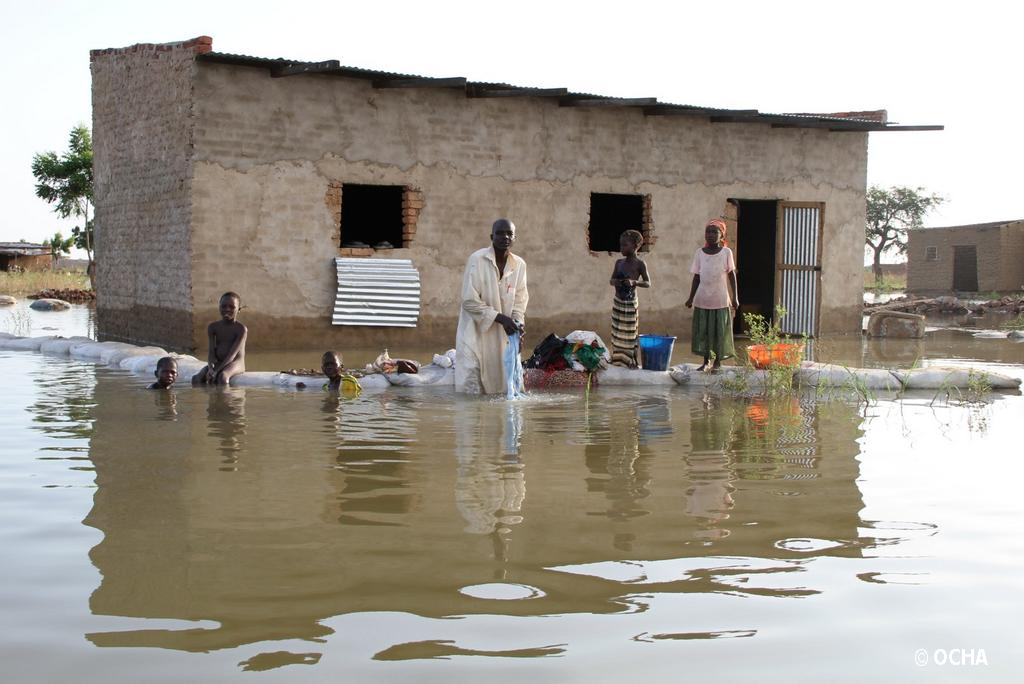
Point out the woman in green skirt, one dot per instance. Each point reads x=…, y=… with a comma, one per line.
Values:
x=714, y=297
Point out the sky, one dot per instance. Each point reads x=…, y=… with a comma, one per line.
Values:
x=955, y=64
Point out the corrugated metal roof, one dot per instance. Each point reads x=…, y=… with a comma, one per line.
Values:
x=377, y=292
x=845, y=121
x=24, y=249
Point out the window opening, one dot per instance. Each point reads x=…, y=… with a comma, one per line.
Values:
x=371, y=216
x=611, y=215
x=931, y=253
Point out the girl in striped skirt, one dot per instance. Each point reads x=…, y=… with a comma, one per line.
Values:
x=630, y=273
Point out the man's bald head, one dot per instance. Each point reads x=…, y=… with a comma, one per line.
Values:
x=503, y=223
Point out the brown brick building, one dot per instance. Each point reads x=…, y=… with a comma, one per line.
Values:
x=223, y=172
x=982, y=257
x=25, y=256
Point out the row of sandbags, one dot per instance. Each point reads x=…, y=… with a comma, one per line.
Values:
x=828, y=375
x=142, y=360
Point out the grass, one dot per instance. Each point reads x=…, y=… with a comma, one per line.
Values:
x=17, y=322
x=890, y=283
x=1016, y=324
x=30, y=282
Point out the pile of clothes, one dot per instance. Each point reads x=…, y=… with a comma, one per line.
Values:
x=572, y=361
x=580, y=350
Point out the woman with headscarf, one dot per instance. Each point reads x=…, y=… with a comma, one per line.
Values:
x=714, y=297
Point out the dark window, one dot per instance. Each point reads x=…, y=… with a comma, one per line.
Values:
x=371, y=215
x=931, y=253
x=610, y=215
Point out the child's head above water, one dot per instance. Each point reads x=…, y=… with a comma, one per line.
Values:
x=166, y=373
x=330, y=364
x=230, y=303
x=630, y=241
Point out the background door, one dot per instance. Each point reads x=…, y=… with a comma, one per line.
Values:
x=798, y=266
x=965, y=268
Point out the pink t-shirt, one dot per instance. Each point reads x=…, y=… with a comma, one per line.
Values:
x=713, y=269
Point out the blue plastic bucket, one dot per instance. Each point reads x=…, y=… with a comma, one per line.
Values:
x=656, y=351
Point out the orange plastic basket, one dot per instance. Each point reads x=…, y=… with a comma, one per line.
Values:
x=782, y=354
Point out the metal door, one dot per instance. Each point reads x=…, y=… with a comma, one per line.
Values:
x=798, y=265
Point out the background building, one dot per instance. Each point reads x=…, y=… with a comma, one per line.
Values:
x=983, y=257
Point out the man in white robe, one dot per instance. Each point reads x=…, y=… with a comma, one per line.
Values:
x=494, y=298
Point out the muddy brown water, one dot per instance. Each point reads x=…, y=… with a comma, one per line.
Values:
x=663, y=534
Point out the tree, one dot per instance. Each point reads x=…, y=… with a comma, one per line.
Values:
x=59, y=245
x=890, y=213
x=66, y=181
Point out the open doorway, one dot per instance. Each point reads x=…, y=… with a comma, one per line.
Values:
x=756, y=229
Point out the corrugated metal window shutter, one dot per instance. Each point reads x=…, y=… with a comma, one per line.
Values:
x=377, y=292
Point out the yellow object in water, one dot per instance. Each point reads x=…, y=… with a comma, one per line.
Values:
x=348, y=386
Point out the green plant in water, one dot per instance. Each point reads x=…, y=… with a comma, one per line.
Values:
x=979, y=385
x=778, y=376
x=736, y=381
x=1016, y=324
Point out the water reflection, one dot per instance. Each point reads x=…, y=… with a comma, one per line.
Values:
x=490, y=481
x=225, y=415
x=265, y=513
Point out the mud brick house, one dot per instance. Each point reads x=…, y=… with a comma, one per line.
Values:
x=223, y=172
x=25, y=256
x=982, y=257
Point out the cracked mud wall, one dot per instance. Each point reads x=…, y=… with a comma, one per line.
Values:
x=267, y=150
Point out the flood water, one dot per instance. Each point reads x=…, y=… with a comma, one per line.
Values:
x=412, y=535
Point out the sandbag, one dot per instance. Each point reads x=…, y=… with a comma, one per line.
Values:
x=830, y=375
x=112, y=349
x=89, y=349
x=619, y=376
x=61, y=345
x=187, y=367
x=116, y=356
x=259, y=379
x=428, y=375
x=940, y=377
x=380, y=381
x=142, y=363
x=25, y=343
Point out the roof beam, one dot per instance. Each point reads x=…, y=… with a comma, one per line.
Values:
x=607, y=101
x=298, y=68
x=456, y=82
x=680, y=110
x=833, y=125
x=927, y=127
x=511, y=91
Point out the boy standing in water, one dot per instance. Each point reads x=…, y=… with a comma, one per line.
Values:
x=166, y=373
x=227, y=345
x=630, y=273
